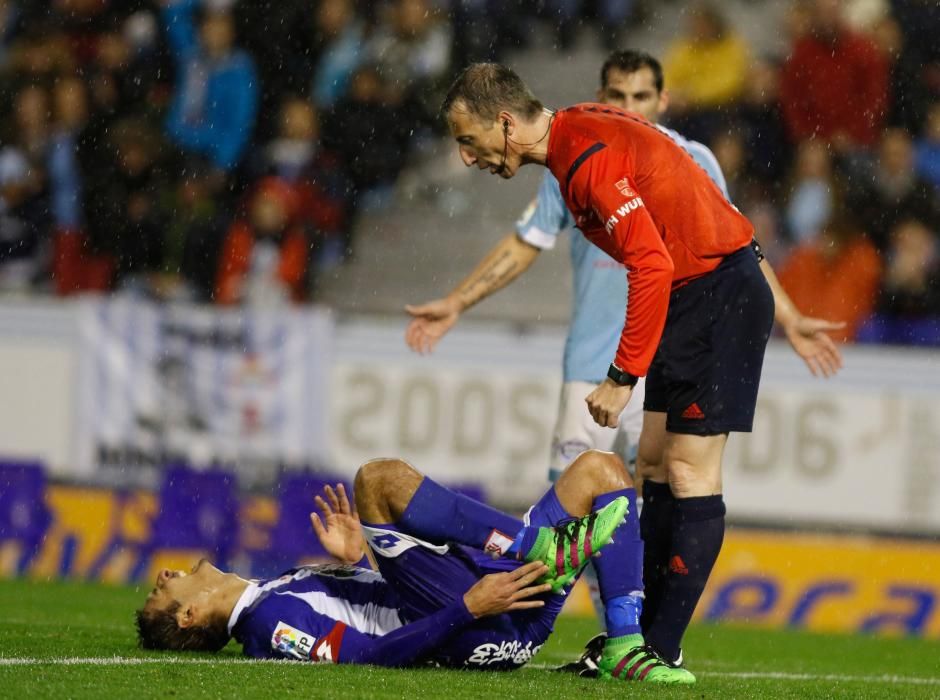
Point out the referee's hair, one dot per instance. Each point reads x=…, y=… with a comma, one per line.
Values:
x=486, y=89
x=630, y=62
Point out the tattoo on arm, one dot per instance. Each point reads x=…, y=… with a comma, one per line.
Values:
x=490, y=278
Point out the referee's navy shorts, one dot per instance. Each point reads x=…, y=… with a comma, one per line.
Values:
x=707, y=368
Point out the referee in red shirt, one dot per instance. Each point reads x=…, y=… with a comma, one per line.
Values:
x=699, y=314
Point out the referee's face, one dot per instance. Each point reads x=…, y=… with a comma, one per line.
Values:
x=482, y=144
x=634, y=92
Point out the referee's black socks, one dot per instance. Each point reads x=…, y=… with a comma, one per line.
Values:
x=656, y=531
x=698, y=528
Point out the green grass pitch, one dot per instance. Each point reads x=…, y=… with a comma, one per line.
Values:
x=72, y=640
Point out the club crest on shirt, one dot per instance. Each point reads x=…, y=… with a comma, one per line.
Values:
x=624, y=187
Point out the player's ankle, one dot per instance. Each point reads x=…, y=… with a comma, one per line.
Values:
x=623, y=642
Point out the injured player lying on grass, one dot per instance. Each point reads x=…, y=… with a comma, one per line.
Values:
x=459, y=584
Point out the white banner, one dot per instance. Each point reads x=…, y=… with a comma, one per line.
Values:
x=868, y=459
x=480, y=425
x=205, y=386
x=861, y=450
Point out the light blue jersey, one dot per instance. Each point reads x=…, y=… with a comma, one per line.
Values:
x=600, y=283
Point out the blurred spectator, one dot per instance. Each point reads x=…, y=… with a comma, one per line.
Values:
x=705, y=70
x=862, y=15
x=216, y=94
x=297, y=142
x=887, y=36
x=927, y=148
x=797, y=20
x=338, y=41
x=411, y=52
x=812, y=199
x=280, y=37
x=835, y=275
x=265, y=255
x=758, y=206
x=24, y=183
x=23, y=221
x=909, y=305
x=132, y=53
x=912, y=273
x=919, y=61
x=369, y=134
x=566, y=15
x=123, y=214
x=71, y=116
x=729, y=150
x=40, y=51
x=9, y=23
x=834, y=83
x=30, y=127
x=484, y=29
x=758, y=118
x=195, y=227
x=318, y=176
x=894, y=190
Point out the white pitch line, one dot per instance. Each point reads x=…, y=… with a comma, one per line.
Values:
x=175, y=660
x=122, y=661
x=779, y=675
x=783, y=676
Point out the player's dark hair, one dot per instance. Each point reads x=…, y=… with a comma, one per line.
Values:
x=159, y=630
x=630, y=62
x=486, y=89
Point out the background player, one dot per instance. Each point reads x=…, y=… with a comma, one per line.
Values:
x=631, y=80
x=435, y=550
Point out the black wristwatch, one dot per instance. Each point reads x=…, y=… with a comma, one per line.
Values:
x=620, y=377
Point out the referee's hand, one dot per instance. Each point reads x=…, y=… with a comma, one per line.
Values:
x=607, y=402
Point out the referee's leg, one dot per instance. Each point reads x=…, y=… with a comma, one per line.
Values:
x=693, y=470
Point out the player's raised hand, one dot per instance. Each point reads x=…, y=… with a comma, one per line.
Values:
x=811, y=340
x=338, y=530
x=498, y=593
x=607, y=402
x=430, y=322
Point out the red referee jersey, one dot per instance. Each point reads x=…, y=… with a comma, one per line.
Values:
x=641, y=198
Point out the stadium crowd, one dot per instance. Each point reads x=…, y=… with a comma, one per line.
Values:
x=220, y=150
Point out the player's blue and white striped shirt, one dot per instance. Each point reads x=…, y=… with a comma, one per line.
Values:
x=344, y=614
x=600, y=283
x=336, y=614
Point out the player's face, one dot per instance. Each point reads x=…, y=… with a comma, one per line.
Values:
x=634, y=92
x=185, y=588
x=481, y=144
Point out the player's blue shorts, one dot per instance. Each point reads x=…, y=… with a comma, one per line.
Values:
x=429, y=576
x=707, y=369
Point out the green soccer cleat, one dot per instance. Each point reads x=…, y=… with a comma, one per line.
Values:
x=630, y=659
x=567, y=548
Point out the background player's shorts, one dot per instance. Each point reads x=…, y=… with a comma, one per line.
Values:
x=429, y=576
x=576, y=432
x=707, y=369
